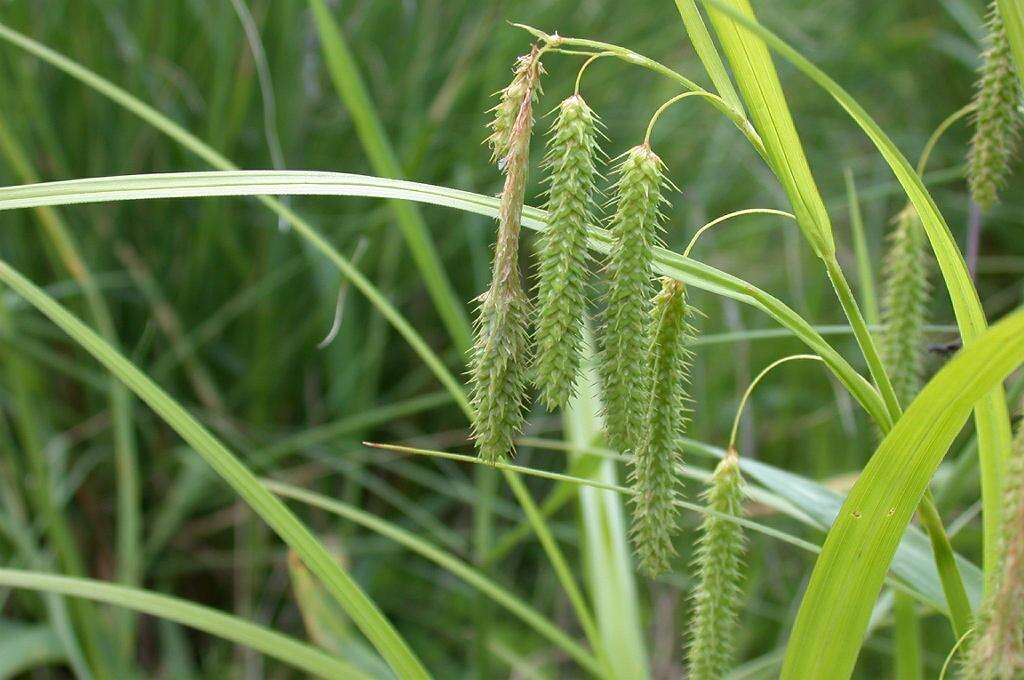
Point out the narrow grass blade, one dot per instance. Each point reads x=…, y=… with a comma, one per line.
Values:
x=708, y=53
x=353, y=93
x=865, y=274
x=238, y=183
x=449, y=563
x=848, y=574
x=607, y=556
x=992, y=419
x=319, y=561
x=292, y=652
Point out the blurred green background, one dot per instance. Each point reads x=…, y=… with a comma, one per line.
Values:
x=225, y=310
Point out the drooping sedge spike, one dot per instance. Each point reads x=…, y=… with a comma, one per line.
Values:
x=996, y=116
x=500, y=358
x=654, y=481
x=525, y=82
x=572, y=157
x=638, y=195
x=719, y=565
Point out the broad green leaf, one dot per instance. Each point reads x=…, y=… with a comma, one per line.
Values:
x=297, y=654
x=848, y=575
x=249, y=183
x=346, y=591
x=991, y=417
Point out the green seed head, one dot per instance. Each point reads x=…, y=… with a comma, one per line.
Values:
x=500, y=356
x=655, y=483
x=997, y=648
x=904, y=304
x=719, y=563
x=996, y=117
x=572, y=157
x=634, y=230
x=525, y=84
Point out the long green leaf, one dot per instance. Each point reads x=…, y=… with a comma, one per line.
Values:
x=350, y=87
x=449, y=563
x=248, y=183
x=363, y=611
x=848, y=574
x=295, y=653
x=991, y=417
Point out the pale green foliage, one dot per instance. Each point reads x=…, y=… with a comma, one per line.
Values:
x=719, y=563
x=572, y=157
x=501, y=351
x=997, y=649
x=904, y=304
x=996, y=117
x=655, y=482
x=634, y=230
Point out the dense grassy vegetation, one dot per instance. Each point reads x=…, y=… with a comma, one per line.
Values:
x=523, y=569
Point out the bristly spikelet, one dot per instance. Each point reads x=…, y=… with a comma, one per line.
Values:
x=634, y=230
x=904, y=304
x=525, y=76
x=719, y=564
x=500, y=356
x=654, y=478
x=996, y=118
x=997, y=648
x=572, y=157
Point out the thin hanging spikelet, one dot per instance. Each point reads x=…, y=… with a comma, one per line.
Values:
x=634, y=231
x=996, y=117
x=997, y=649
x=655, y=483
x=500, y=354
x=904, y=304
x=719, y=563
x=572, y=157
x=525, y=75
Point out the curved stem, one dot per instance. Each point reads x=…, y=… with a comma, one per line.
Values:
x=588, y=62
x=939, y=131
x=750, y=390
x=729, y=216
x=673, y=100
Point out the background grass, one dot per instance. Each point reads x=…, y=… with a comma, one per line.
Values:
x=224, y=311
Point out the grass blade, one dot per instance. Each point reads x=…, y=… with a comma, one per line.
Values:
x=246, y=183
x=450, y=563
x=992, y=419
x=835, y=611
x=352, y=91
x=1012, y=12
x=319, y=561
x=295, y=653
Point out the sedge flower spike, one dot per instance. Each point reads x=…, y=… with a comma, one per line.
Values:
x=572, y=157
x=904, y=304
x=634, y=231
x=719, y=565
x=654, y=479
x=996, y=651
x=525, y=84
x=996, y=116
x=499, y=362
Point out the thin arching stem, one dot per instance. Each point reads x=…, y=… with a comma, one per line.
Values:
x=588, y=62
x=738, y=213
x=750, y=389
x=661, y=109
x=939, y=131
